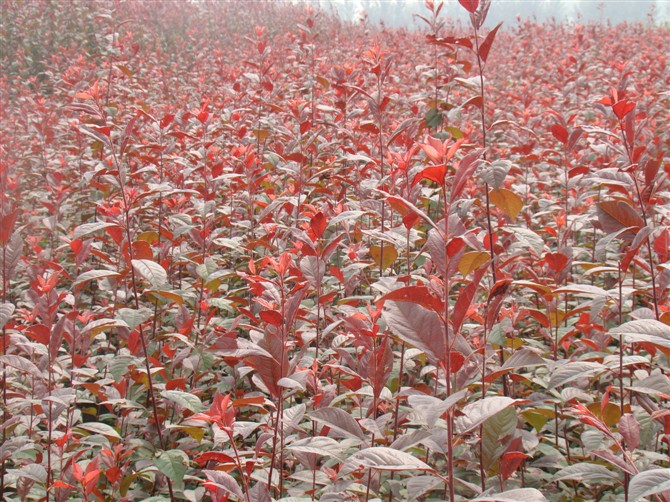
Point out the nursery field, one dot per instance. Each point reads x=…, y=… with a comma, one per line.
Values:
x=255, y=254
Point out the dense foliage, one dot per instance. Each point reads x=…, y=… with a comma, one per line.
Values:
x=263, y=254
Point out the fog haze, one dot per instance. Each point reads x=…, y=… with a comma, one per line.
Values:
x=399, y=13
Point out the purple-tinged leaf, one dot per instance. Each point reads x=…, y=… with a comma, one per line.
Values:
x=416, y=326
x=418, y=486
x=319, y=445
x=583, y=290
x=341, y=423
x=616, y=215
x=644, y=330
x=466, y=167
x=88, y=228
x=314, y=269
x=223, y=481
x=629, y=428
x=618, y=462
x=98, y=326
x=433, y=408
x=524, y=358
x=259, y=493
x=21, y=364
x=385, y=459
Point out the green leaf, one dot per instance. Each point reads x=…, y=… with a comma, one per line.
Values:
x=383, y=458
x=151, y=271
x=644, y=330
x=22, y=364
x=587, y=472
x=571, y=371
x=518, y=495
x=528, y=238
x=119, y=365
x=319, y=445
x=133, y=318
x=432, y=407
x=184, y=399
x=6, y=311
x=99, y=428
x=648, y=483
x=95, y=327
x=475, y=414
x=494, y=429
x=433, y=118
x=88, y=228
x=173, y=464
x=93, y=275
x=494, y=174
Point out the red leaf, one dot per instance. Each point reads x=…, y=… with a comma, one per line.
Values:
x=556, y=261
x=7, y=222
x=576, y=171
x=142, y=250
x=470, y=5
x=560, y=133
x=166, y=120
x=662, y=245
x=433, y=173
x=113, y=474
x=318, y=224
x=651, y=167
x=420, y=295
x=454, y=246
x=622, y=108
x=216, y=456
x=464, y=171
x=40, y=333
x=485, y=47
x=409, y=220
x=465, y=297
x=456, y=360
x=271, y=317
x=615, y=215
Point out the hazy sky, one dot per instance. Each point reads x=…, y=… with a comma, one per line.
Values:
x=398, y=12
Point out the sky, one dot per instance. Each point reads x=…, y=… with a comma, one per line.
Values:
x=399, y=12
